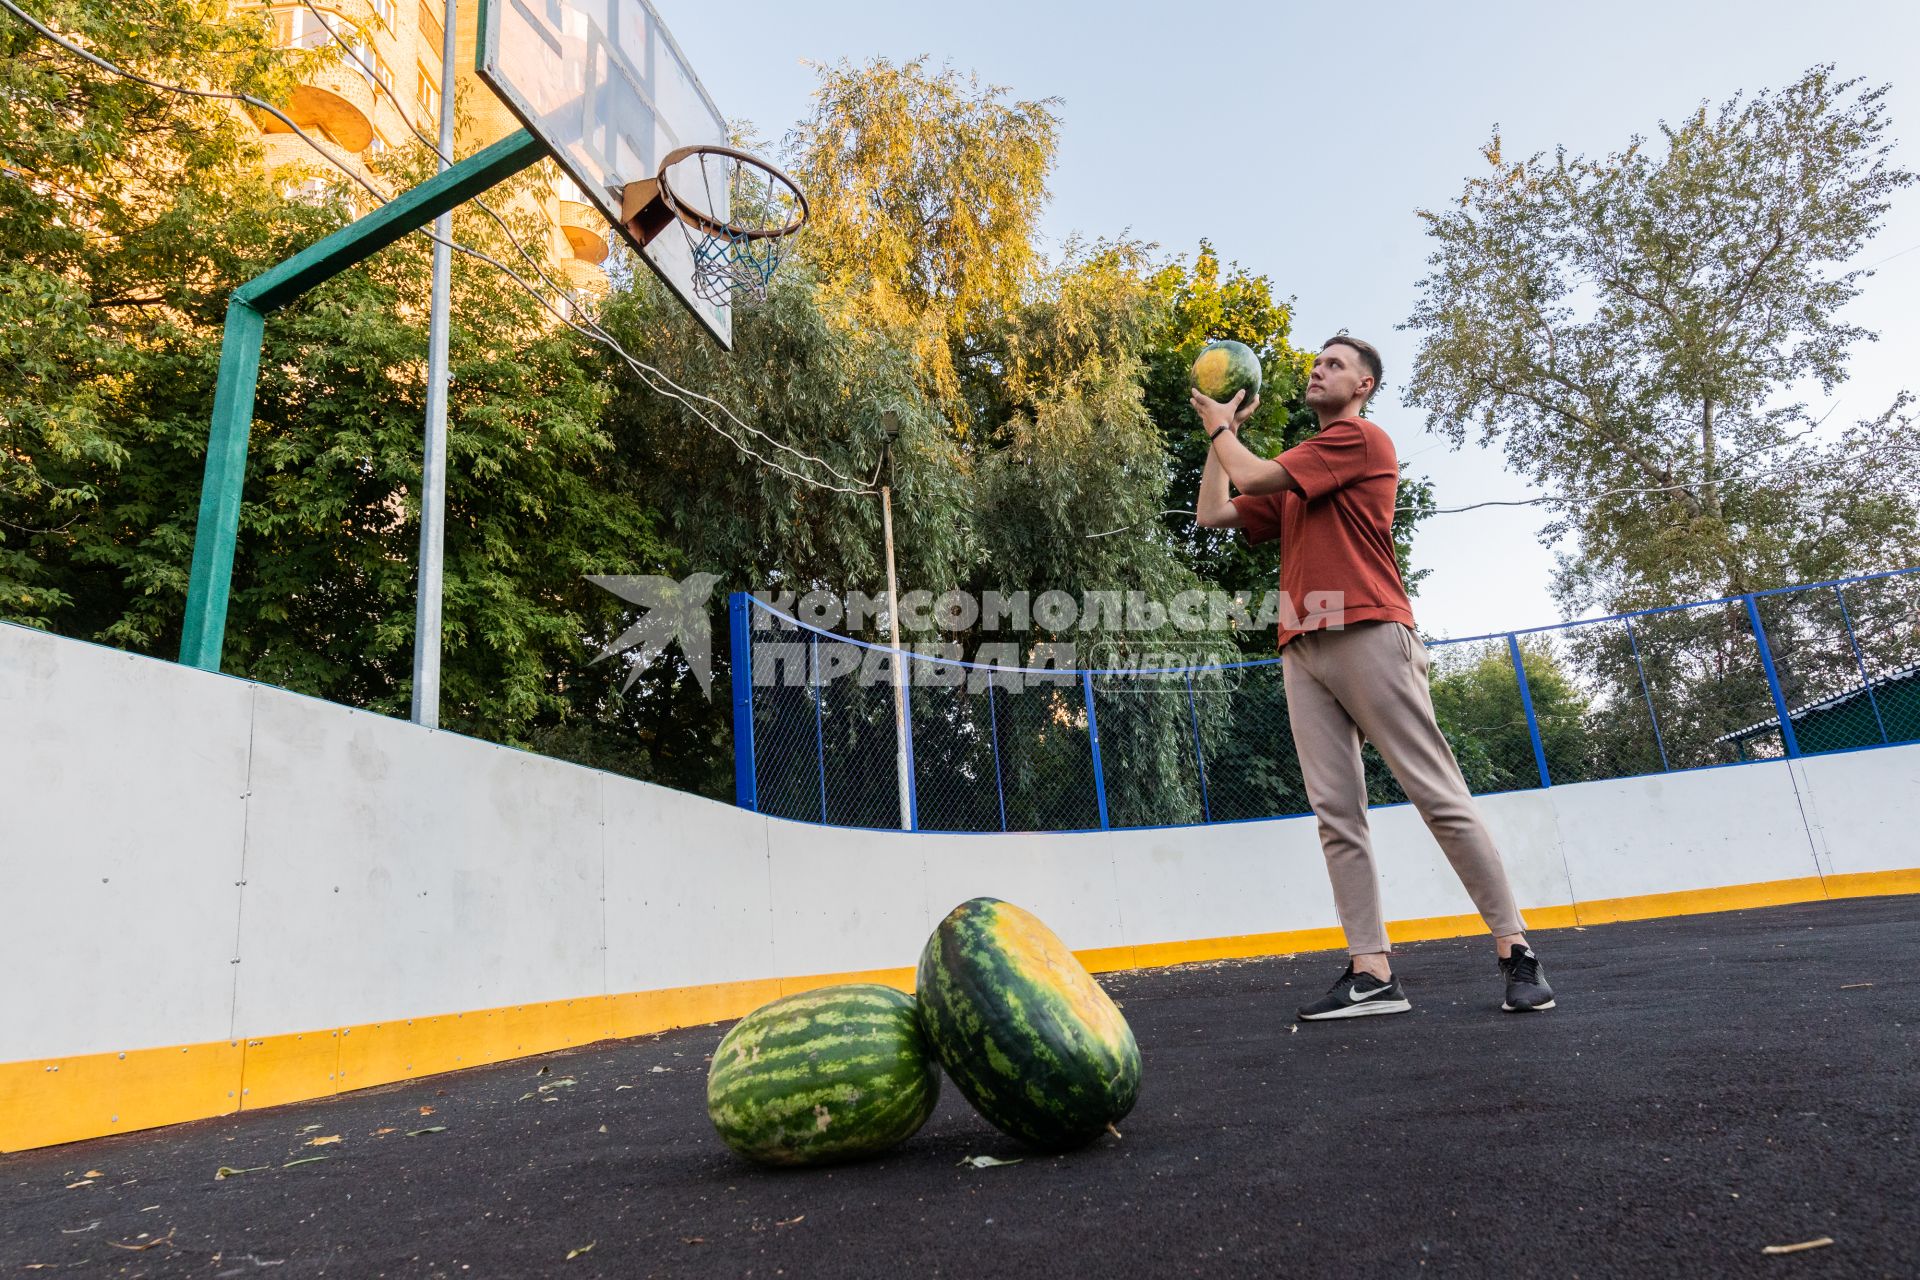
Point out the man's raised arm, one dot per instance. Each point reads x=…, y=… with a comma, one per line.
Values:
x=1230, y=460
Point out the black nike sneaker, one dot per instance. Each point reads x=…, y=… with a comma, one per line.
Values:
x=1527, y=987
x=1357, y=995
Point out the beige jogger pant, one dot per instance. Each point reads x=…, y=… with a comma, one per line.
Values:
x=1370, y=680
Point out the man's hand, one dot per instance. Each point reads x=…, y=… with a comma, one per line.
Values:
x=1214, y=415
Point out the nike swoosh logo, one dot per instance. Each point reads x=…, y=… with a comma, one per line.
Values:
x=1354, y=995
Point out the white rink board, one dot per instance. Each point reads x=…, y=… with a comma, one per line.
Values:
x=1855, y=812
x=1674, y=831
x=680, y=879
x=122, y=808
x=397, y=871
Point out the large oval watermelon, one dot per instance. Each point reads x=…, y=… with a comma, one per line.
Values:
x=1022, y=1028
x=1223, y=368
x=824, y=1075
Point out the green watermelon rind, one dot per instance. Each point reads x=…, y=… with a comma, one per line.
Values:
x=1012, y=1046
x=1242, y=373
x=823, y=1076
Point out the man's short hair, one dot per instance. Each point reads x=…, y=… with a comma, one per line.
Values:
x=1369, y=356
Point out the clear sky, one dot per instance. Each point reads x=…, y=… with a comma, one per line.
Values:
x=1300, y=139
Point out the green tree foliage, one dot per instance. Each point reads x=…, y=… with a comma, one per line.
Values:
x=1476, y=699
x=108, y=193
x=1635, y=322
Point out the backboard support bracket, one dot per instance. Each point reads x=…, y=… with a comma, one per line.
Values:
x=642, y=211
x=216, y=534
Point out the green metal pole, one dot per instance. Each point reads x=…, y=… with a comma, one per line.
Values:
x=218, y=530
x=220, y=487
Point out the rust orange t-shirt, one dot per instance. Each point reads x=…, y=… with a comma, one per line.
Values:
x=1336, y=534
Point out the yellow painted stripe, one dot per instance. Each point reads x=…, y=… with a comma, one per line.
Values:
x=91, y=1095
x=1873, y=884
x=54, y=1100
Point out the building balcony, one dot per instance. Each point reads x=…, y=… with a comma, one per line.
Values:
x=353, y=48
x=585, y=229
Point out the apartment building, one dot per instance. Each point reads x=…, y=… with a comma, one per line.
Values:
x=359, y=106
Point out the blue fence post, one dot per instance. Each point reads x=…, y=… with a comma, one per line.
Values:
x=819, y=723
x=1000, y=788
x=1860, y=662
x=1093, y=735
x=1526, y=704
x=746, y=790
x=1787, y=738
x=1199, y=759
x=913, y=788
x=1647, y=693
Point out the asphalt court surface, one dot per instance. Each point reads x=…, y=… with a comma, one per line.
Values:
x=1709, y=1086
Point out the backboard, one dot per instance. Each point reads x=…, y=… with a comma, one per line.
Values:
x=604, y=86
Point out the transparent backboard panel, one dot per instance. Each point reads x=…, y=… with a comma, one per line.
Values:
x=603, y=84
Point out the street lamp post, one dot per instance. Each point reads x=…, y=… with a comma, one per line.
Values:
x=891, y=423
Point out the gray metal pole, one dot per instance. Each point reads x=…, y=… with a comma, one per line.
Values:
x=433, y=471
x=899, y=675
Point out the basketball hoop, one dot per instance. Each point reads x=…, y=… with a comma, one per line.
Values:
x=736, y=211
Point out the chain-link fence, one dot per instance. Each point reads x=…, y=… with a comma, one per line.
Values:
x=821, y=735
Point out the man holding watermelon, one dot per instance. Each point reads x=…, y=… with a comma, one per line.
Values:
x=1360, y=670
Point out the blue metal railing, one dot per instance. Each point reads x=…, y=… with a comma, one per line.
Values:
x=1792, y=671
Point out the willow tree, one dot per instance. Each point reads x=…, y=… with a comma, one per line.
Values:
x=926, y=189
x=1629, y=330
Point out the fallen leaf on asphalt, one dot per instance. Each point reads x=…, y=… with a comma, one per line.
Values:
x=603, y=1128
x=787, y=1222
x=1855, y=986
x=661, y=1070
x=617, y=1088
x=1115, y=1132
x=95, y=1173
x=566, y=1082
x=523, y=1097
x=432, y=1128
x=585, y=1248
x=693, y=1239
x=544, y=1071
x=224, y=1172
x=312, y=1128
x=426, y=1111
x=1294, y=1029
x=986, y=1162
x=84, y=1182
x=142, y=1248
x=322, y=1142
x=378, y=1132
x=150, y=1208
x=1821, y=1243
x=74, y=1231
x=304, y=1160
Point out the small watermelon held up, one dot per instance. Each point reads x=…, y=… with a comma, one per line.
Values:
x=823, y=1076
x=1022, y=1028
x=1223, y=368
